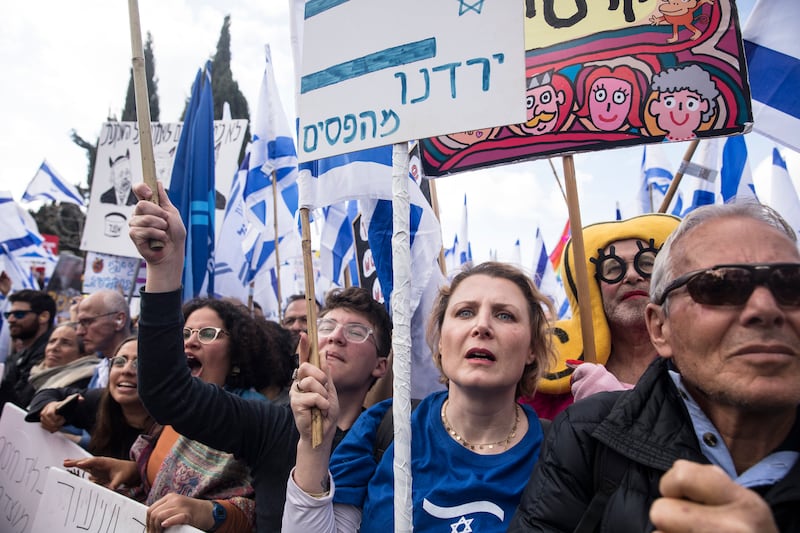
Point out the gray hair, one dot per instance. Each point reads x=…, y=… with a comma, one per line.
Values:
x=664, y=267
x=692, y=78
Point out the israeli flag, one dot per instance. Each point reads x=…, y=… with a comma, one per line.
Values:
x=337, y=243
x=773, y=61
x=546, y=279
x=779, y=192
x=736, y=183
x=656, y=176
x=48, y=185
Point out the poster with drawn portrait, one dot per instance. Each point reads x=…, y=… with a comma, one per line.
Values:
x=119, y=166
x=603, y=75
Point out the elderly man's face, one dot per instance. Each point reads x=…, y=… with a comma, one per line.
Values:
x=748, y=356
x=624, y=301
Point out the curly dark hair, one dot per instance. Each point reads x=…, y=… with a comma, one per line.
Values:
x=359, y=300
x=279, y=361
x=39, y=301
x=249, y=369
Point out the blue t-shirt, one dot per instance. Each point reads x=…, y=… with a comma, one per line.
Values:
x=453, y=488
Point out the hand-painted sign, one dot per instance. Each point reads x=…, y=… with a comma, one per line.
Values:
x=376, y=72
x=119, y=166
x=604, y=75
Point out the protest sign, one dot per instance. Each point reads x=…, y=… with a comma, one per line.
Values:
x=26, y=453
x=600, y=77
x=119, y=166
x=70, y=503
x=407, y=70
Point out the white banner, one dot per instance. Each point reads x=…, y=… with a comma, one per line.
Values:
x=119, y=165
x=70, y=503
x=407, y=70
x=26, y=453
x=104, y=271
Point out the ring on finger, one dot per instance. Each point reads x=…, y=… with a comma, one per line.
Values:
x=297, y=386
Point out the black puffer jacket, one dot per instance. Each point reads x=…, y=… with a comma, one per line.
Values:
x=629, y=439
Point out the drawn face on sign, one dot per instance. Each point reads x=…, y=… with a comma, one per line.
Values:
x=679, y=113
x=121, y=173
x=542, y=103
x=609, y=103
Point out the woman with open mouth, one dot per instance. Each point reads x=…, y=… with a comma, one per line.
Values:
x=181, y=480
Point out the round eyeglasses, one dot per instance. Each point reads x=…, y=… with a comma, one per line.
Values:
x=353, y=331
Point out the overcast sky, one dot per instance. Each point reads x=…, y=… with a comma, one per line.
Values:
x=66, y=66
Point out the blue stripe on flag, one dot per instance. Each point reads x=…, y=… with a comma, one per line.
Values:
x=771, y=66
x=388, y=58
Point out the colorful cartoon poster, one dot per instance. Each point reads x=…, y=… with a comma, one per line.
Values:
x=399, y=71
x=603, y=75
x=119, y=165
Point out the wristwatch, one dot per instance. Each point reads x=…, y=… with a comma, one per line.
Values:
x=219, y=513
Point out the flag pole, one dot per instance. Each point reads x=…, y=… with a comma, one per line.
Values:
x=277, y=241
x=311, y=313
x=673, y=186
x=579, y=252
x=143, y=109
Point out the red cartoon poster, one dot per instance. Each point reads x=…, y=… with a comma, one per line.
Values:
x=608, y=74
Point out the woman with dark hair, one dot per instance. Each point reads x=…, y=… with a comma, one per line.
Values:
x=181, y=480
x=280, y=362
x=114, y=416
x=473, y=445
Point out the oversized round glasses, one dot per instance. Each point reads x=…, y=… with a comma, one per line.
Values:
x=205, y=335
x=611, y=268
x=353, y=331
x=733, y=284
x=120, y=361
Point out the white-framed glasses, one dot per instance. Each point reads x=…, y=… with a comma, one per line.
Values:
x=205, y=335
x=353, y=331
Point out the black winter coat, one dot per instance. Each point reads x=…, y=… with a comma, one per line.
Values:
x=631, y=439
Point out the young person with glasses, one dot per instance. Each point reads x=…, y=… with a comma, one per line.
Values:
x=709, y=438
x=262, y=434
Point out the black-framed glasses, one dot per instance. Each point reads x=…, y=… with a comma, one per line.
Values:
x=19, y=314
x=733, y=284
x=611, y=268
x=205, y=335
x=353, y=331
x=88, y=321
x=120, y=361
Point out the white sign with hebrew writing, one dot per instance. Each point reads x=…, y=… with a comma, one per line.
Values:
x=70, y=503
x=26, y=453
x=377, y=72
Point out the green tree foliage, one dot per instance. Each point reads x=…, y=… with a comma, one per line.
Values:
x=63, y=220
x=129, y=111
x=223, y=85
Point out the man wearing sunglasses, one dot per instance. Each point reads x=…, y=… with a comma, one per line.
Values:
x=709, y=438
x=30, y=320
x=354, y=335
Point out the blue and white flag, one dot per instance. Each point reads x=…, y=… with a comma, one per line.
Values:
x=272, y=162
x=780, y=192
x=656, y=174
x=516, y=254
x=18, y=236
x=546, y=279
x=47, y=184
x=192, y=188
x=463, y=246
x=736, y=178
x=337, y=243
x=773, y=63
x=703, y=186
x=231, y=268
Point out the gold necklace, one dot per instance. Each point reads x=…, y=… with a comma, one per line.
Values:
x=483, y=445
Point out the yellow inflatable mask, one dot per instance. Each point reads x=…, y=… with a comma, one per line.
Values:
x=652, y=229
